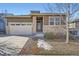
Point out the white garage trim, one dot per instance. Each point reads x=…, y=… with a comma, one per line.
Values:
x=20, y=28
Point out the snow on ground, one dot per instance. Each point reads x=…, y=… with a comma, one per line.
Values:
x=12, y=44
x=44, y=44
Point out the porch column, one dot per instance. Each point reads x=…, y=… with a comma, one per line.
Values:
x=34, y=24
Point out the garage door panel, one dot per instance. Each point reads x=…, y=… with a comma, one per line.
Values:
x=20, y=28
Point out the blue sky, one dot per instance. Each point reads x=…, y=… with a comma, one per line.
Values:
x=21, y=8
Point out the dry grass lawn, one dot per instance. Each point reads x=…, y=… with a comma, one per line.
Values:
x=61, y=48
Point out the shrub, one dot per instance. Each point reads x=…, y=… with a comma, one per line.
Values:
x=51, y=35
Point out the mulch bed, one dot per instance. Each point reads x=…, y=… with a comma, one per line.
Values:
x=30, y=48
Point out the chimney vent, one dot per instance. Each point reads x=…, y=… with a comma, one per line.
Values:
x=35, y=11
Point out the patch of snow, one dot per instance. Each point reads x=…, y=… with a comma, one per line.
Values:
x=44, y=44
x=39, y=35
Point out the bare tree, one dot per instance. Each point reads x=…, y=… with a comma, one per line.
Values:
x=71, y=9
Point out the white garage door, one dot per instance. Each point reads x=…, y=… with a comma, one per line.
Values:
x=20, y=28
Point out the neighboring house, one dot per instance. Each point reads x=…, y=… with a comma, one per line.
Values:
x=2, y=22
x=35, y=22
x=74, y=29
x=2, y=26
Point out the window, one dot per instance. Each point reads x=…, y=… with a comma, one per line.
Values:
x=12, y=24
x=17, y=24
x=63, y=21
x=51, y=21
x=55, y=21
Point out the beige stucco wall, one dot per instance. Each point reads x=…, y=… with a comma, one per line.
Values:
x=6, y=27
x=54, y=29
x=7, y=30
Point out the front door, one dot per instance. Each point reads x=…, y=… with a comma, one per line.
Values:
x=39, y=25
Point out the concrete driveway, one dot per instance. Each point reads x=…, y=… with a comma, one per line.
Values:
x=12, y=44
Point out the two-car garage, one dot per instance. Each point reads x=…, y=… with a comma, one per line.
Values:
x=20, y=28
x=19, y=25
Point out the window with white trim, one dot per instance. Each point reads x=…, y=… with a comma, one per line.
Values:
x=55, y=21
x=51, y=22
